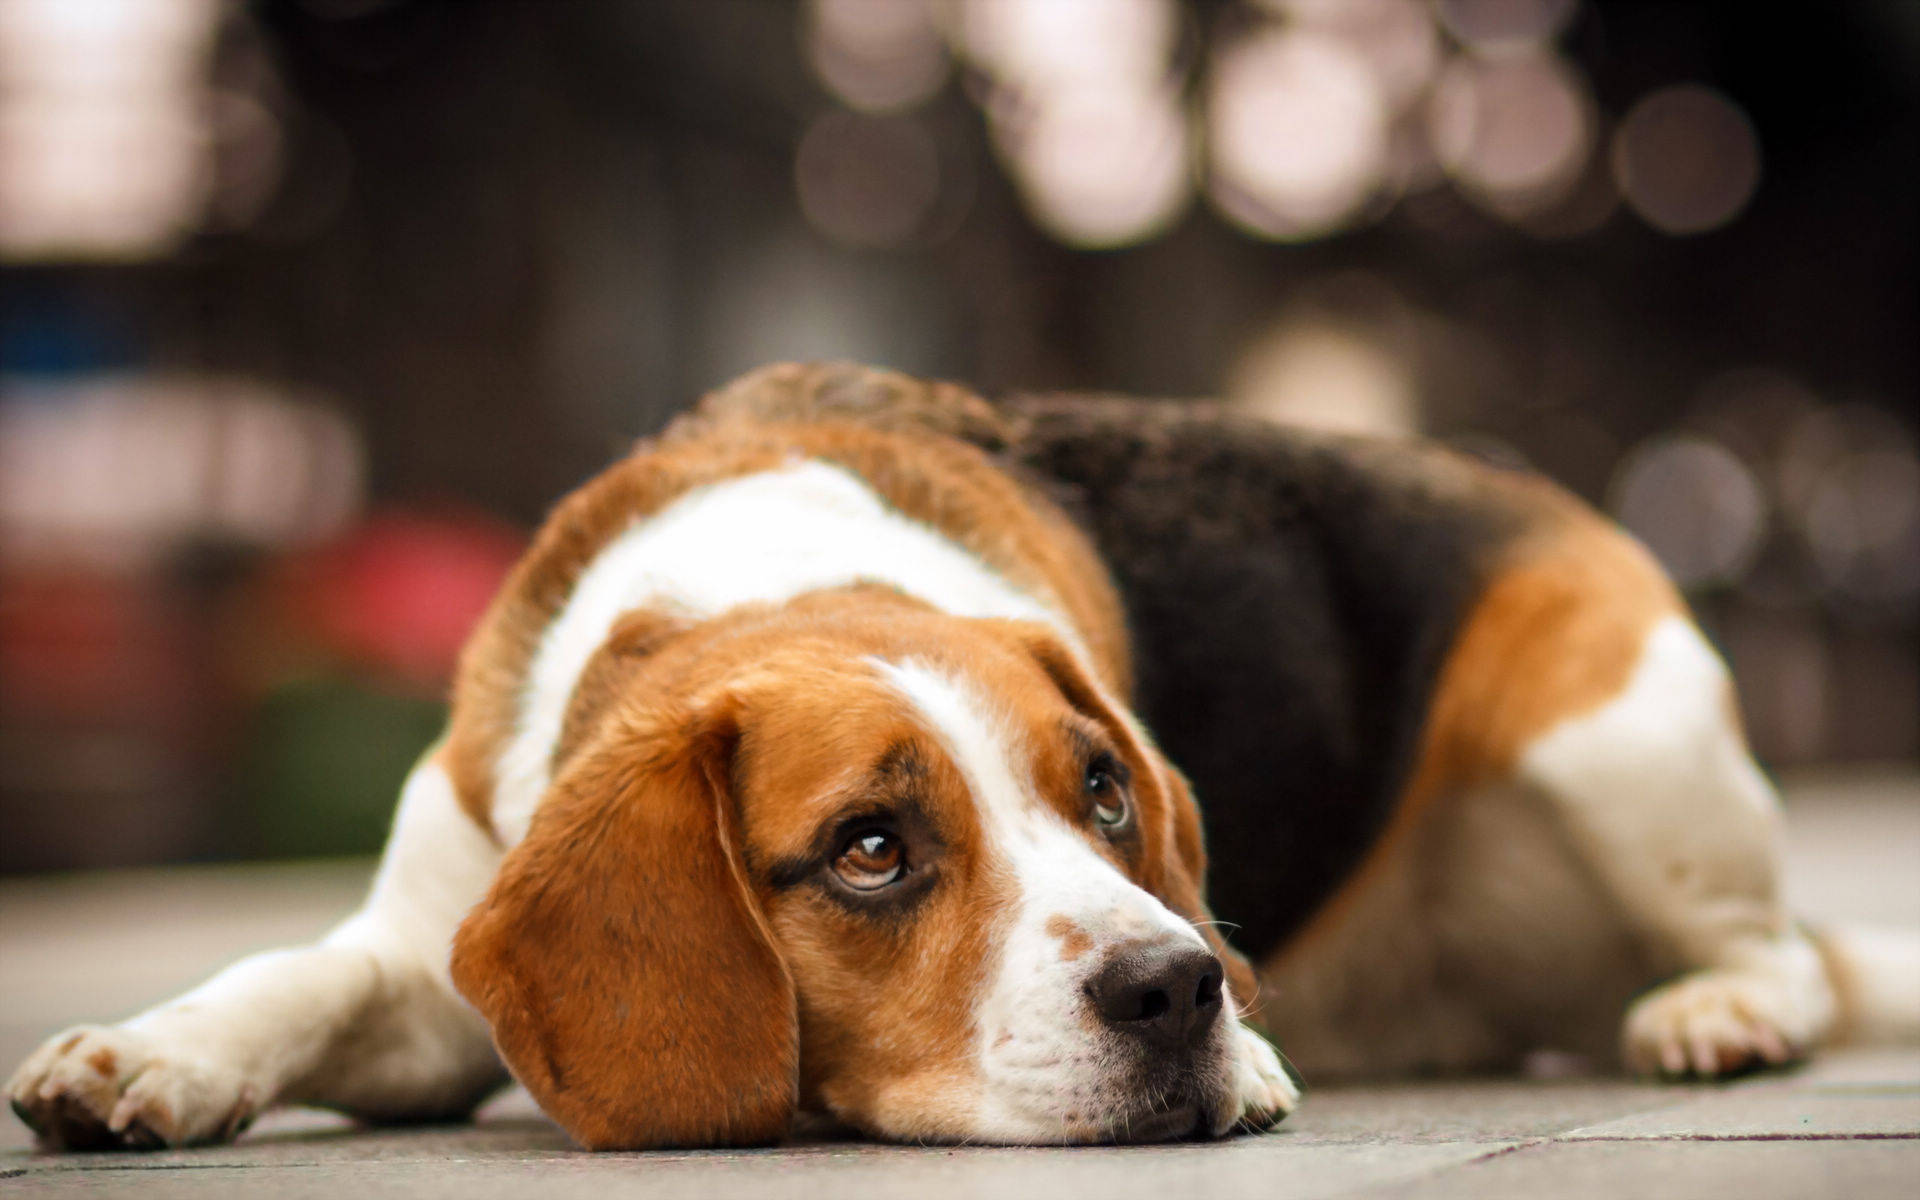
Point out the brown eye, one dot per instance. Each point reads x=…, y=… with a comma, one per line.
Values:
x=871, y=860
x=1108, y=793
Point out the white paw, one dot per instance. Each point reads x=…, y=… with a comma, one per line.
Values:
x=1714, y=1023
x=98, y=1088
x=1264, y=1093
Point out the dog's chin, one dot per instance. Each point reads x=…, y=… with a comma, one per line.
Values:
x=1168, y=1102
x=1172, y=1116
x=1171, y=1121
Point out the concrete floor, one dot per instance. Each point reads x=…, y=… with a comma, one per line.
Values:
x=92, y=948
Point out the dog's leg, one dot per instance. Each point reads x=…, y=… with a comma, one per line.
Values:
x=1396, y=978
x=1659, y=796
x=365, y=1021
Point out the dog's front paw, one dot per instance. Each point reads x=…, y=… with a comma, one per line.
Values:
x=1264, y=1092
x=99, y=1088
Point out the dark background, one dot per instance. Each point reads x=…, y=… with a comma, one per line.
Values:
x=311, y=308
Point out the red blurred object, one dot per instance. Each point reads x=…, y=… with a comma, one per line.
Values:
x=400, y=592
x=86, y=648
x=113, y=721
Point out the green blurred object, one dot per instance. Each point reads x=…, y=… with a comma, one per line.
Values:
x=323, y=763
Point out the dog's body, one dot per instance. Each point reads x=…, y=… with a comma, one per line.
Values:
x=1473, y=781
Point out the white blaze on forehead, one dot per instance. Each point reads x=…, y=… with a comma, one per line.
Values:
x=762, y=538
x=1037, y=1048
x=980, y=747
x=1054, y=864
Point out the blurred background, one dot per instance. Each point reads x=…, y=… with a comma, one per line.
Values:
x=309, y=308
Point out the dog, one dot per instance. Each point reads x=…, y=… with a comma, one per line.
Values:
x=789, y=773
x=1475, y=785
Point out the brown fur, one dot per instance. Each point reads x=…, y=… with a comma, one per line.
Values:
x=1073, y=940
x=610, y=673
x=841, y=391
x=1555, y=635
x=950, y=486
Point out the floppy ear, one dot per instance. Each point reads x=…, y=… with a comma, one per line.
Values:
x=621, y=959
x=1177, y=872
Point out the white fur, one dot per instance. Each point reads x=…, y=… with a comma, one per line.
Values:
x=1044, y=1062
x=365, y=1020
x=1881, y=967
x=1685, y=832
x=760, y=538
x=1658, y=781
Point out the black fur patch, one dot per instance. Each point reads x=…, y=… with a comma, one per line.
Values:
x=1291, y=596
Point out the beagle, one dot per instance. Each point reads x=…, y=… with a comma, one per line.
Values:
x=789, y=773
x=1474, y=783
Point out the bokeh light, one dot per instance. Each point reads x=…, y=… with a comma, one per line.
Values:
x=1497, y=27
x=1686, y=159
x=1850, y=477
x=1514, y=132
x=1397, y=38
x=1069, y=44
x=248, y=148
x=104, y=150
x=1314, y=116
x=1754, y=410
x=876, y=55
x=1100, y=167
x=115, y=472
x=1299, y=132
x=1862, y=522
x=1325, y=374
x=1085, y=114
x=1696, y=506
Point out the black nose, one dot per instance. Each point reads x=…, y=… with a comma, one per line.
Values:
x=1165, y=992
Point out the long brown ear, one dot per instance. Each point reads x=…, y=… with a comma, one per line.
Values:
x=622, y=962
x=1178, y=873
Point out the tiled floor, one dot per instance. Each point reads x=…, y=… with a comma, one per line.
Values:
x=94, y=948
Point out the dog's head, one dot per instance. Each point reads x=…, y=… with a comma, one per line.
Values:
x=855, y=855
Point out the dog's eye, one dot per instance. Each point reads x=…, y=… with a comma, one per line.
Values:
x=1108, y=794
x=870, y=860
